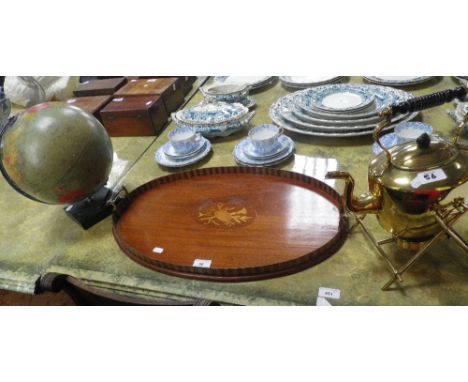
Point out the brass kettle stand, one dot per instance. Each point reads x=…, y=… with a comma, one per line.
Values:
x=446, y=215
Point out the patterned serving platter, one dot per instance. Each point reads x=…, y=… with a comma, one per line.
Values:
x=281, y=113
x=297, y=126
x=307, y=99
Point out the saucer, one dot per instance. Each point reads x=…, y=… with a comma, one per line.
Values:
x=410, y=131
x=170, y=151
x=249, y=149
x=167, y=161
x=287, y=149
x=387, y=140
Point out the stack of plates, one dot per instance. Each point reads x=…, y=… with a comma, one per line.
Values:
x=337, y=110
x=304, y=82
x=255, y=82
x=398, y=80
x=214, y=119
x=245, y=154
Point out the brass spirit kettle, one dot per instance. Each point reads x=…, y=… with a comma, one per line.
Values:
x=406, y=181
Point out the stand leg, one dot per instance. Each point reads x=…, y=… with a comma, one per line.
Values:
x=379, y=249
x=447, y=228
x=412, y=261
x=446, y=221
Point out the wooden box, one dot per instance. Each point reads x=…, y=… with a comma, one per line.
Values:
x=186, y=82
x=99, y=87
x=92, y=105
x=134, y=116
x=169, y=88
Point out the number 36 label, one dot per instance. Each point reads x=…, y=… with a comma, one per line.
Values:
x=428, y=177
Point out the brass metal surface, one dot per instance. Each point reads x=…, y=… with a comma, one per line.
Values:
x=403, y=207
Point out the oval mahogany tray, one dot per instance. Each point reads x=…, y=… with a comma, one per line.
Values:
x=230, y=223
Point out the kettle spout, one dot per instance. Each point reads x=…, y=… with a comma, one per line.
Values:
x=365, y=203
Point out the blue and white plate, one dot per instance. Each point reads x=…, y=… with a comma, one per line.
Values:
x=167, y=161
x=348, y=100
x=308, y=99
x=255, y=82
x=249, y=150
x=285, y=150
x=410, y=131
x=387, y=140
x=398, y=80
x=304, y=82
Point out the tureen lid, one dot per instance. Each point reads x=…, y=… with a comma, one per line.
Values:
x=426, y=153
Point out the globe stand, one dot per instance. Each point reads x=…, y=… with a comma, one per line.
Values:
x=93, y=209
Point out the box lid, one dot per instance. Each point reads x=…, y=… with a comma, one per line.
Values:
x=90, y=104
x=129, y=105
x=162, y=86
x=108, y=86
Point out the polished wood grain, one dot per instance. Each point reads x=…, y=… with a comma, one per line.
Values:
x=99, y=87
x=169, y=88
x=134, y=116
x=252, y=223
x=92, y=105
x=186, y=82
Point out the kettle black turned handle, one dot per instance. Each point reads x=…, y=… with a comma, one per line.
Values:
x=428, y=101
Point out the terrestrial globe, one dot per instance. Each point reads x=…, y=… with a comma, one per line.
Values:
x=55, y=153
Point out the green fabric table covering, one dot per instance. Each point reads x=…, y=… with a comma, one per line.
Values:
x=36, y=239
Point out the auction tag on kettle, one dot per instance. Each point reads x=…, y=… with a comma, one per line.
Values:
x=202, y=263
x=426, y=177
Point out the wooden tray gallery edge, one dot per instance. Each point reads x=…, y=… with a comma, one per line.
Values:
x=230, y=224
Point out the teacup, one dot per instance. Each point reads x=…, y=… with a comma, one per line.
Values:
x=264, y=138
x=184, y=139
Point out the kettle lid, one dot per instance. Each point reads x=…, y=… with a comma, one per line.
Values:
x=426, y=153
